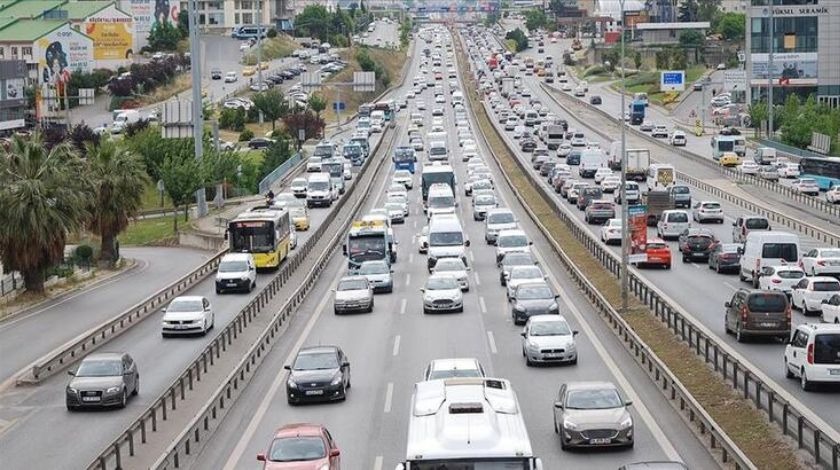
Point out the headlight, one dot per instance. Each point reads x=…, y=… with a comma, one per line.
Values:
x=518, y=308
x=336, y=380
x=112, y=390
x=532, y=345
x=72, y=390
x=291, y=383
x=570, y=425
x=554, y=307
x=626, y=422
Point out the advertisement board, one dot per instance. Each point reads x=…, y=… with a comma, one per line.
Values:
x=795, y=67
x=146, y=13
x=60, y=53
x=112, y=32
x=637, y=223
x=12, y=89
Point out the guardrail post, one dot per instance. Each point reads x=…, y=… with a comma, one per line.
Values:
x=117, y=455
x=130, y=440
x=800, y=423
x=817, y=445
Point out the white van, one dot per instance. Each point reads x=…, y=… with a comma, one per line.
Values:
x=767, y=249
x=319, y=190
x=236, y=271
x=447, y=239
x=590, y=160
x=660, y=176
x=672, y=223
x=438, y=151
x=457, y=98
x=441, y=200
x=765, y=156
x=531, y=118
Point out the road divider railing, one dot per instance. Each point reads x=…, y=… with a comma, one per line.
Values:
x=667, y=382
x=829, y=237
x=85, y=343
x=810, y=432
x=204, y=423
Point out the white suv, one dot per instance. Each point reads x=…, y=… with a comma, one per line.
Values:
x=813, y=354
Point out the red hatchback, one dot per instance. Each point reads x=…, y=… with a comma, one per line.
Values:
x=658, y=254
x=301, y=447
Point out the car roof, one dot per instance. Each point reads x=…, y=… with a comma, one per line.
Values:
x=546, y=318
x=318, y=349
x=105, y=355
x=184, y=298
x=236, y=257
x=353, y=278
x=821, y=327
x=512, y=231
x=590, y=385
x=455, y=363
x=298, y=429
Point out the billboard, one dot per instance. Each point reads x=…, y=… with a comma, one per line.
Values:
x=637, y=223
x=112, y=32
x=146, y=13
x=794, y=67
x=61, y=52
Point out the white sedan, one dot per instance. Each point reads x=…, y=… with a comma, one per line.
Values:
x=807, y=186
x=188, y=314
x=821, y=262
x=749, y=167
x=611, y=231
x=833, y=195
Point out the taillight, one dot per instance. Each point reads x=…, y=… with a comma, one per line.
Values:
x=821, y=263
x=787, y=313
x=744, y=314
x=757, y=265
x=777, y=281
x=744, y=231
x=810, y=357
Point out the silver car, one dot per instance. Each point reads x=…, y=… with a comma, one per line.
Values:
x=511, y=241
x=187, y=314
x=481, y=204
x=512, y=260
x=353, y=294
x=442, y=294
x=592, y=414
x=456, y=268
x=522, y=275
x=379, y=273
x=548, y=339
x=103, y=380
x=495, y=221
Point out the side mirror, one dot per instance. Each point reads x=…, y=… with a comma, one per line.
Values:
x=466, y=243
x=740, y=251
x=71, y=373
x=335, y=453
x=523, y=334
x=727, y=304
x=575, y=332
x=260, y=457
x=422, y=289
x=287, y=367
x=345, y=364
x=344, y=249
x=163, y=310
x=824, y=301
x=628, y=403
x=558, y=405
x=226, y=235
x=734, y=224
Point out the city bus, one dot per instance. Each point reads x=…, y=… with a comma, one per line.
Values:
x=825, y=170
x=728, y=143
x=404, y=158
x=368, y=240
x=263, y=232
x=249, y=31
x=467, y=423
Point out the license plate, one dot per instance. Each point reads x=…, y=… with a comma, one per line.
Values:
x=314, y=392
x=833, y=371
x=599, y=441
x=90, y=398
x=767, y=324
x=699, y=255
x=231, y=284
x=552, y=356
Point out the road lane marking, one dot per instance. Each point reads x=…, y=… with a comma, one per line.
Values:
x=730, y=286
x=403, y=303
x=415, y=223
x=377, y=464
x=411, y=257
x=396, y=345
x=279, y=381
x=492, y=340
x=389, y=397
x=482, y=304
x=408, y=279
x=477, y=280
x=472, y=257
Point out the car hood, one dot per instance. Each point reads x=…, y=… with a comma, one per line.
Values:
x=183, y=316
x=534, y=304
x=596, y=419
x=449, y=294
x=455, y=274
x=351, y=294
x=313, y=376
x=232, y=275
x=446, y=251
x=552, y=342
x=95, y=383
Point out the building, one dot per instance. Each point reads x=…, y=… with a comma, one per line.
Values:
x=666, y=33
x=13, y=74
x=805, y=45
x=734, y=6
x=224, y=15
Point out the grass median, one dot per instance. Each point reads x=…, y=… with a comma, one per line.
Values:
x=745, y=425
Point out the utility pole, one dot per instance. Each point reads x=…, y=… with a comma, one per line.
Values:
x=198, y=119
x=259, y=51
x=770, y=75
x=625, y=229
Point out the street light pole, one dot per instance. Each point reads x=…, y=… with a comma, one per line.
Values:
x=770, y=76
x=198, y=118
x=625, y=229
x=259, y=51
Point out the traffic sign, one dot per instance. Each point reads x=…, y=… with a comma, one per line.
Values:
x=735, y=80
x=338, y=106
x=672, y=80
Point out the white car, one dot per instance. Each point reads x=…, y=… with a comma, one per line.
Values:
x=456, y=268
x=807, y=186
x=833, y=195
x=564, y=149
x=298, y=187
x=678, y=139
x=611, y=231
x=808, y=295
x=313, y=165
x=672, y=223
x=548, y=339
x=659, y=131
x=781, y=278
x=749, y=167
x=510, y=241
x=580, y=91
x=187, y=314
x=602, y=173
x=705, y=211
x=789, y=170
x=442, y=293
x=610, y=183
x=420, y=104
x=352, y=294
x=440, y=99
x=831, y=310
x=522, y=275
x=236, y=271
x=821, y=262
x=450, y=368
x=423, y=240
x=811, y=354
x=404, y=178
x=646, y=126
x=230, y=77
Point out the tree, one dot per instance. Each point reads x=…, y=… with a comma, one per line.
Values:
x=317, y=103
x=535, y=19
x=313, y=21
x=184, y=22
x=691, y=38
x=164, y=36
x=698, y=10
x=365, y=62
x=306, y=120
x=519, y=37
x=44, y=197
x=181, y=179
x=275, y=155
x=119, y=180
x=81, y=135
x=732, y=26
x=637, y=60
x=233, y=119
x=272, y=103
x=561, y=7
x=758, y=114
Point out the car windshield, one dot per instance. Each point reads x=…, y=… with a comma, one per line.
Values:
x=535, y=292
x=374, y=268
x=185, y=306
x=680, y=190
x=314, y=361
x=319, y=185
x=352, y=284
x=441, y=283
x=394, y=206
x=485, y=200
x=297, y=449
x=549, y=328
x=656, y=245
x=441, y=201
x=402, y=174
x=99, y=368
x=598, y=399
x=711, y=205
x=526, y=272
x=767, y=302
x=449, y=373
x=446, y=238
x=233, y=267
x=826, y=286
x=513, y=241
x=730, y=247
x=827, y=348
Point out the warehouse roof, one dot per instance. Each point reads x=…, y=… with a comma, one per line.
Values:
x=28, y=30
x=27, y=8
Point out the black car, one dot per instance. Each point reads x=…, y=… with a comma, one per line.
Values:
x=573, y=158
x=275, y=79
x=287, y=74
x=318, y=373
x=527, y=145
x=696, y=243
x=259, y=143
x=216, y=74
x=594, y=99
x=725, y=257
x=103, y=380
x=533, y=298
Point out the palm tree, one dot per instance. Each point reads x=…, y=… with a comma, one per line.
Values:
x=119, y=179
x=44, y=196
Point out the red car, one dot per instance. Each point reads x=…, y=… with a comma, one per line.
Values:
x=658, y=254
x=301, y=447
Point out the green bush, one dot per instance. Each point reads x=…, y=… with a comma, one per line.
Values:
x=246, y=135
x=594, y=70
x=233, y=119
x=272, y=33
x=84, y=253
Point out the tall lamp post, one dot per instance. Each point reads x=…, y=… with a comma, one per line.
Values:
x=625, y=229
x=198, y=118
x=770, y=73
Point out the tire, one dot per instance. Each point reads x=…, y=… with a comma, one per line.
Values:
x=218, y=291
x=684, y=259
x=804, y=382
x=528, y=362
x=556, y=429
x=136, y=390
x=460, y=309
x=788, y=372
x=668, y=266
x=754, y=281
x=336, y=312
x=726, y=328
x=741, y=276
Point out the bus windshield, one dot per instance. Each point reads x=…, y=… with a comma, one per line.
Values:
x=366, y=248
x=404, y=155
x=252, y=237
x=725, y=145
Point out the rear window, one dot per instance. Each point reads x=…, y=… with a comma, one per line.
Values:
x=789, y=274
x=757, y=224
x=826, y=286
x=604, y=206
x=705, y=239
x=827, y=349
x=785, y=251
x=677, y=217
x=711, y=205
x=767, y=303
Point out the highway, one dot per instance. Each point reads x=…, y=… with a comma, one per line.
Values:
x=66, y=317
x=389, y=349
x=708, y=291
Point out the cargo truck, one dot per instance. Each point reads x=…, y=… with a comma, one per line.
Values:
x=657, y=201
x=637, y=112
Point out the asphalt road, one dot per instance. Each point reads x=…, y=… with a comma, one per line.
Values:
x=389, y=348
x=708, y=291
x=40, y=411
x=61, y=320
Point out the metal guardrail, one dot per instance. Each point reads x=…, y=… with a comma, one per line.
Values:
x=658, y=371
x=819, y=234
x=86, y=342
x=789, y=150
x=228, y=392
x=10, y=283
x=810, y=432
x=279, y=172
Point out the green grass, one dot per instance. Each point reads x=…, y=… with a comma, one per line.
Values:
x=274, y=48
x=648, y=82
x=149, y=231
x=151, y=198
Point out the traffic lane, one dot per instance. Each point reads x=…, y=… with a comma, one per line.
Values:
x=708, y=309
x=90, y=307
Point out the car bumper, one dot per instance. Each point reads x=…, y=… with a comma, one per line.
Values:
x=822, y=374
x=585, y=439
x=383, y=287
x=696, y=254
x=551, y=358
x=707, y=217
x=313, y=395
x=449, y=307
x=319, y=202
x=176, y=330
x=232, y=284
x=301, y=225
x=75, y=400
x=355, y=306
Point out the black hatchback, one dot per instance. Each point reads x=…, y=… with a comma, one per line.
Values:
x=696, y=243
x=318, y=373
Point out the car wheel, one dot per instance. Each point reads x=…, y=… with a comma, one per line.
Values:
x=717, y=269
x=804, y=383
x=685, y=260
x=668, y=266
x=788, y=372
x=218, y=291
x=754, y=281
x=344, y=393
x=123, y=399
x=335, y=311
x=726, y=328
x=563, y=445
x=460, y=309
x=741, y=276
x=556, y=429
x=136, y=386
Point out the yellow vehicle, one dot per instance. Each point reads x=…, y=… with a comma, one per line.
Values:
x=729, y=159
x=263, y=232
x=248, y=71
x=541, y=72
x=263, y=65
x=300, y=217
